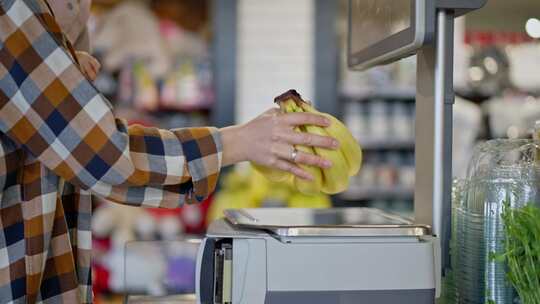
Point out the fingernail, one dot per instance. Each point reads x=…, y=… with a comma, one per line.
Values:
x=327, y=163
x=326, y=121
x=308, y=177
x=335, y=143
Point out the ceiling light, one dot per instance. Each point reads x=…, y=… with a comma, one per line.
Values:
x=532, y=27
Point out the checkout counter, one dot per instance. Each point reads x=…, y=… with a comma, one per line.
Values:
x=354, y=255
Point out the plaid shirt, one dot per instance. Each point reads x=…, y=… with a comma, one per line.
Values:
x=55, y=127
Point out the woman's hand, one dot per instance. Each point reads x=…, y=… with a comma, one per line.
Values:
x=269, y=140
x=89, y=65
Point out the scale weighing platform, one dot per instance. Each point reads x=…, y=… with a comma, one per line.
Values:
x=316, y=256
x=356, y=255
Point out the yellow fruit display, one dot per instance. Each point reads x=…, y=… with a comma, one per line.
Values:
x=300, y=200
x=245, y=187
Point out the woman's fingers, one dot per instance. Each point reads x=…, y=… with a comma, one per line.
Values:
x=291, y=168
x=91, y=68
x=90, y=72
x=285, y=151
x=298, y=119
x=96, y=66
x=312, y=160
x=89, y=65
x=308, y=139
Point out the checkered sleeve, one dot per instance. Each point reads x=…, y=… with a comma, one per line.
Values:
x=48, y=107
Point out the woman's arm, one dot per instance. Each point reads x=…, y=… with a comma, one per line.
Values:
x=48, y=107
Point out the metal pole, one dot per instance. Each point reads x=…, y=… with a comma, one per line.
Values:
x=433, y=151
x=444, y=94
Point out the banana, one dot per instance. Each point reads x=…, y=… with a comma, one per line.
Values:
x=306, y=187
x=346, y=161
x=272, y=174
x=348, y=144
x=309, y=187
x=334, y=179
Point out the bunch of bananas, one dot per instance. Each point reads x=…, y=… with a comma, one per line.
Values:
x=346, y=160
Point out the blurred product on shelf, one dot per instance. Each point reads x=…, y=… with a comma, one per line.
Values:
x=191, y=15
x=137, y=87
x=115, y=225
x=525, y=58
x=167, y=120
x=402, y=122
x=122, y=223
x=130, y=30
x=467, y=123
x=401, y=74
x=384, y=175
x=354, y=119
x=512, y=116
x=381, y=116
x=489, y=70
x=160, y=268
x=379, y=122
x=181, y=42
x=187, y=87
x=245, y=187
x=160, y=65
x=378, y=113
x=155, y=268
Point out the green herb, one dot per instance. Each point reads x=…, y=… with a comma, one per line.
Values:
x=522, y=250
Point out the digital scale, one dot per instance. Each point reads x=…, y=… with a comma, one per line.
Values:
x=356, y=255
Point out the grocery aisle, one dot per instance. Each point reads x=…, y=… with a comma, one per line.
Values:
x=164, y=65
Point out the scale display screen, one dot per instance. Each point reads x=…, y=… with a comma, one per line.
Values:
x=375, y=20
x=382, y=31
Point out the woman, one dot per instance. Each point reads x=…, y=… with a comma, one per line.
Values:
x=60, y=143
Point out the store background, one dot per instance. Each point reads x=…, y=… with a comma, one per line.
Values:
x=181, y=63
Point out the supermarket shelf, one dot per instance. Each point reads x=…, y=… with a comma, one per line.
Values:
x=387, y=145
x=363, y=193
x=390, y=92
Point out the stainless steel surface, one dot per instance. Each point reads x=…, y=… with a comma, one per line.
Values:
x=175, y=299
x=425, y=107
x=444, y=100
x=363, y=231
x=434, y=98
x=325, y=222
